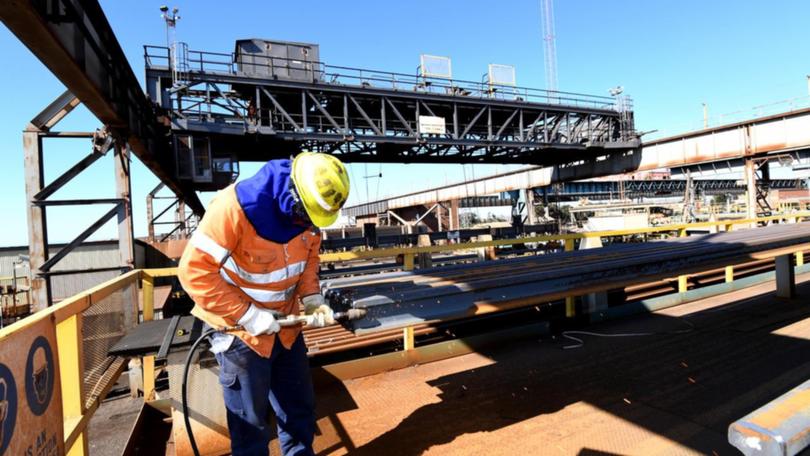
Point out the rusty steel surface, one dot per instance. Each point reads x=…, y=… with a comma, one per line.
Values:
x=658, y=395
x=780, y=427
x=407, y=298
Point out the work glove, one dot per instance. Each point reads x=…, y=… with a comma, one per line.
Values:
x=318, y=312
x=258, y=321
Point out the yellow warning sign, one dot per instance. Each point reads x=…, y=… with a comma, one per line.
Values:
x=30, y=397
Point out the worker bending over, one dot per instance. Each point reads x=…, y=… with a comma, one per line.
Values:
x=256, y=249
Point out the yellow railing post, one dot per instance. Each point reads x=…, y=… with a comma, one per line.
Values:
x=71, y=378
x=407, y=261
x=148, y=362
x=148, y=283
x=408, y=338
x=683, y=284
x=799, y=258
x=729, y=274
x=570, y=301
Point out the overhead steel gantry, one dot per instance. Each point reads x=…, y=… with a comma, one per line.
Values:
x=374, y=116
x=75, y=41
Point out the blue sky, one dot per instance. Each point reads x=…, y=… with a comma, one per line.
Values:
x=670, y=56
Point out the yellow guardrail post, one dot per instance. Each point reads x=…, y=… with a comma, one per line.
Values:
x=408, y=341
x=570, y=301
x=799, y=258
x=148, y=362
x=71, y=378
x=729, y=274
x=407, y=261
x=683, y=284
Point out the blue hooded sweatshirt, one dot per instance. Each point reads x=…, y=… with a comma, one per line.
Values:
x=266, y=200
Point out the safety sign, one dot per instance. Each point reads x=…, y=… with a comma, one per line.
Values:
x=30, y=399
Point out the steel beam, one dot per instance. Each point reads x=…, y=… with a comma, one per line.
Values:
x=780, y=427
x=75, y=41
x=401, y=299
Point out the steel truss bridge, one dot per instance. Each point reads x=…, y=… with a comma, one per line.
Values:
x=655, y=188
x=373, y=116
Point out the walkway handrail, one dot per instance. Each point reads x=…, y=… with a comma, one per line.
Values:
x=680, y=227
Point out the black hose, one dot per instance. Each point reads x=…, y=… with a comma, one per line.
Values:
x=351, y=314
x=183, y=392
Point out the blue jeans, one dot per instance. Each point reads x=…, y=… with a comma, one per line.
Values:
x=252, y=385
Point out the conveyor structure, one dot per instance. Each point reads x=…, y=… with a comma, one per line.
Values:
x=229, y=107
x=402, y=299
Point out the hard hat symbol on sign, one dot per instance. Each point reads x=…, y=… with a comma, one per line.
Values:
x=39, y=376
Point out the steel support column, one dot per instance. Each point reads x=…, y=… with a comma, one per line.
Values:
x=37, y=221
x=126, y=231
x=750, y=177
x=531, y=218
x=123, y=191
x=455, y=220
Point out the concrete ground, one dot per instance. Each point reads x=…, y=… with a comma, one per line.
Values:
x=667, y=394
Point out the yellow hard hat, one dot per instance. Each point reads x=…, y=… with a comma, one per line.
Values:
x=322, y=183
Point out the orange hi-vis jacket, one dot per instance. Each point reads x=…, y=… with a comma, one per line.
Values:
x=226, y=266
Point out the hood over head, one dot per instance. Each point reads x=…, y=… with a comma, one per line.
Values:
x=266, y=200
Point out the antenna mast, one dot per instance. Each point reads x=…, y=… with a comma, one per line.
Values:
x=549, y=39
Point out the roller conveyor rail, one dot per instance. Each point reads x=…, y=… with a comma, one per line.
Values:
x=406, y=298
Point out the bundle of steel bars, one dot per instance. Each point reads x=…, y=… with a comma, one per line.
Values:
x=401, y=299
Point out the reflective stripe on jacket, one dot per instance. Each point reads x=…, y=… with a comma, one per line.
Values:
x=226, y=266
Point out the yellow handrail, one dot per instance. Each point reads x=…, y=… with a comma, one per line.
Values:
x=391, y=252
x=65, y=316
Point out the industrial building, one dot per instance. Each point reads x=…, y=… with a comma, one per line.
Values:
x=616, y=294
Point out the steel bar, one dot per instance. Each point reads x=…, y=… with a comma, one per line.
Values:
x=333, y=339
x=63, y=179
x=777, y=428
x=78, y=202
x=80, y=238
x=399, y=299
